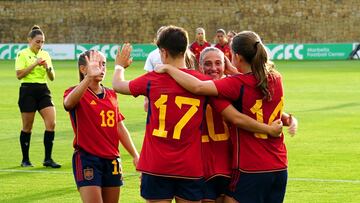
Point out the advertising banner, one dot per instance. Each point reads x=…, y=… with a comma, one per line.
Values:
x=309, y=51
x=56, y=51
x=139, y=52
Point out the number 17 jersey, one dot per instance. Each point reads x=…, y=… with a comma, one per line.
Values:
x=172, y=142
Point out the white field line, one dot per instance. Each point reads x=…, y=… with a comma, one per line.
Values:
x=137, y=174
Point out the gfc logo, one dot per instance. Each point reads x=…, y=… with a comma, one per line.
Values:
x=289, y=51
x=109, y=50
x=9, y=51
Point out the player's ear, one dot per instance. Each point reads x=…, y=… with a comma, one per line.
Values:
x=238, y=58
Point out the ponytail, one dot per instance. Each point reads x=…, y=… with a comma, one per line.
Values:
x=259, y=69
x=248, y=44
x=34, y=31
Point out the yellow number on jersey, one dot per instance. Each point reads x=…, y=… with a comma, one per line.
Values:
x=108, y=118
x=257, y=110
x=179, y=101
x=211, y=128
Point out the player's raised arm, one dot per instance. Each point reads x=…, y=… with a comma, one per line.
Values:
x=122, y=61
x=90, y=70
x=189, y=82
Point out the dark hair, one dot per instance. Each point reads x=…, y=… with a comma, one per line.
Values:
x=82, y=61
x=35, y=30
x=248, y=44
x=174, y=40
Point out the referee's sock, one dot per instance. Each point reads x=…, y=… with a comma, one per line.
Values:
x=25, y=145
x=48, y=143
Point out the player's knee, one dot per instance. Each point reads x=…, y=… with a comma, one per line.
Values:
x=50, y=125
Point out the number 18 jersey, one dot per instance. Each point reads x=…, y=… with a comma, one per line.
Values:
x=95, y=123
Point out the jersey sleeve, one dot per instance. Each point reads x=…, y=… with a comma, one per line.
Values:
x=20, y=61
x=120, y=116
x=67, y=92
x=228, y=88
x=218, y=104
x=138, y=86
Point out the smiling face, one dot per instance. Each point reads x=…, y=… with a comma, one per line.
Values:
x=36, y=43
x=213, y=64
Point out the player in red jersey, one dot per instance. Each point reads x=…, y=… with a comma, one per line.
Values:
x=223, y=43
x=259, y=161
x=200, y=43
x=216, y=144
x=98, y=128
x=230, y=35
x=172, y=142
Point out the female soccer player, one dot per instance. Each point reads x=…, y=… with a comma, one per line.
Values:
x=260, y=161
x=216, y=144
x=222, y=43
x=230, y=35
x=200, y=43
x=98, y=128
x=32, y=66
x=172, y=145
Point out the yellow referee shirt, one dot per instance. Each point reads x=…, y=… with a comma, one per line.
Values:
x=25, y=58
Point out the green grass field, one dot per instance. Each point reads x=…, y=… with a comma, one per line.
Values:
x=324, y=156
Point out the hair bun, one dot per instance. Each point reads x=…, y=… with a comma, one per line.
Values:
x=35, y=27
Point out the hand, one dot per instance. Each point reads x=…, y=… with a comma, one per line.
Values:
x=123, y=56
x=40, y=61
x=276, y=128
x=136, y=160
x=162, y=68
x=293, y=124
x=93, y=64
x=229, y=68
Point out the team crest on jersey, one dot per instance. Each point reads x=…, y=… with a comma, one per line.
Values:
x=88, y=173
x=93, y=102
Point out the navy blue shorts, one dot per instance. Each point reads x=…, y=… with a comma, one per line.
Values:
x=166, y=188
x=267, y=187
x=90, y=170
x=34, y=97
x=215, y=187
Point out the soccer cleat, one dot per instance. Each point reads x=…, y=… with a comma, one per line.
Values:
x=26, y=164
x=51, y=163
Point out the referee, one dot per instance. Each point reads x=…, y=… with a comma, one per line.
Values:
x=33, y=65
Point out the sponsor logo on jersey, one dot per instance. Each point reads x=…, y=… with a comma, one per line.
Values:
x=93, y=102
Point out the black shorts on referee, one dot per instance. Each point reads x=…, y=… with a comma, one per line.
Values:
x=34, y=97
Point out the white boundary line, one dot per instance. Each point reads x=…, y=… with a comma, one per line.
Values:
x=134, y=174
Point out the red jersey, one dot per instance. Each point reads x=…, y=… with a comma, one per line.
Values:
x=225, y=49
x=196, y=49
x=255, y=152
x=216, y=144
x=172, y=142
x=95, y=123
